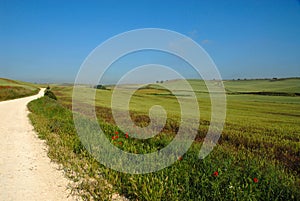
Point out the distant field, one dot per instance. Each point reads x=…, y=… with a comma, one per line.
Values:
x=10, y=89
x=261, y=139
x=291, y=85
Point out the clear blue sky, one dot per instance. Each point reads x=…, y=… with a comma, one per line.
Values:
x=47, y=41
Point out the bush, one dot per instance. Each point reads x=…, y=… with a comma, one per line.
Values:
x=99, y=86
x=50, y=94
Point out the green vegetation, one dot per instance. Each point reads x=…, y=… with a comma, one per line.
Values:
x=10, y=89
x=257, y=157
x=50, y=94
x=288, y=85
x=100, y=86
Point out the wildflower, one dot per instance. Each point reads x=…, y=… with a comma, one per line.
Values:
x=255, y=180
x=116, y=137
x=117, y=133
x=126, y=135
x=216, y=173
x=120, y=143
x=113, y=137
x=180, y=158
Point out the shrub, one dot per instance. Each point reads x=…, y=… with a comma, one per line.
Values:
x=50, y=94
x=100, y=86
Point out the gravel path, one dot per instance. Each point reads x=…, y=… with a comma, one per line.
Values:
x=26, y=172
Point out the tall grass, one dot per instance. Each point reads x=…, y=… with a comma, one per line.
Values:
x=8, y=92
x=10, y=89
x=230, y=172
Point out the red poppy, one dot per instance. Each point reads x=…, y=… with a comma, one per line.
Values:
x=117, y=132
x=120, y=143
x=116, y=137
x=180, y=158
x=216, y=173
x=113, y=137
x=126, y=135
x=255, y=180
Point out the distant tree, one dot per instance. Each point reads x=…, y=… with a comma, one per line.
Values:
x=162, y=81
x=100, y=86
x=239, y=79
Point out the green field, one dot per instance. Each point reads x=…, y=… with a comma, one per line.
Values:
x=290, y=85
x=10, y=89
x=257, y=157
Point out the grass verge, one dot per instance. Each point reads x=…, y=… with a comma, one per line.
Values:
x=11, y=89
x=228, y=173
x=13, y=92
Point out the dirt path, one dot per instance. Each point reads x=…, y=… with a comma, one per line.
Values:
x=26, y=172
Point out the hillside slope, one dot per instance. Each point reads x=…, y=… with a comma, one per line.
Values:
x=10, y=89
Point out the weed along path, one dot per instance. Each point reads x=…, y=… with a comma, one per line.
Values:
x=26, y=172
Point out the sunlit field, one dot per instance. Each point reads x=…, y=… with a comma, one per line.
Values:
x=10, y=89
x=257, y=157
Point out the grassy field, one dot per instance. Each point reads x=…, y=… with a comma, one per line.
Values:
x=290, y=85
x=10, y=89
x=257, y=158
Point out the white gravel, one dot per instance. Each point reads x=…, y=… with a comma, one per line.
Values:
x=26, y=172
